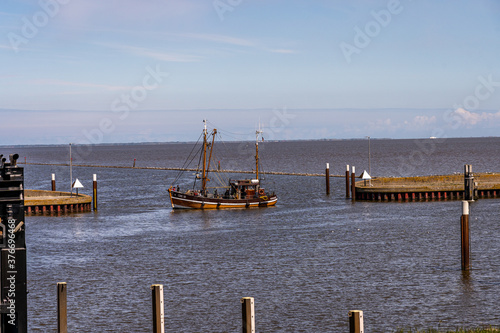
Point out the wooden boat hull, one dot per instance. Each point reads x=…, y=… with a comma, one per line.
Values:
x=183, y=200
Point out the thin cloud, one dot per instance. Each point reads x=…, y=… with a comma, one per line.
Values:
x=157, y=55
x=421, y=121
x=8, y=14
x=79, y=84
x=283, y=51
x=219, y=39
x=94, y=11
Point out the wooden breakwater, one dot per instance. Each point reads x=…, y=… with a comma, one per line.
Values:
x=185, y=169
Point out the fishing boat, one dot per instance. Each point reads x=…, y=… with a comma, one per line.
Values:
x=243, y=193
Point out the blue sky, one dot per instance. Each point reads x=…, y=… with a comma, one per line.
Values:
x=120, y=71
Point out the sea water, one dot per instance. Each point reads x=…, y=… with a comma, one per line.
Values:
x=307, y=261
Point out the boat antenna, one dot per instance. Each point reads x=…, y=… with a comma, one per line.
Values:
x=257, y=132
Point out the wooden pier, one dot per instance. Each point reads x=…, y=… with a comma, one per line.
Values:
x=448, y=187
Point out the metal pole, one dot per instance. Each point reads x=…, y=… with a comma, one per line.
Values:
x=369, y=161
x=70, y=170
x=369, y=158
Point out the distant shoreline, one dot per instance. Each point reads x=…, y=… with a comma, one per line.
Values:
x=230, y=141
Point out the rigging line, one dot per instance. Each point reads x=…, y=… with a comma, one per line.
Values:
x=223, y=144
x=218, y=175
x=209, y=145
x=186, y=163
x=223, y=130
x=184, y=167
x=238, y=137
x=216, y=159
x=197, y=168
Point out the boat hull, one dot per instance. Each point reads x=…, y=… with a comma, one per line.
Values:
x=183, y=200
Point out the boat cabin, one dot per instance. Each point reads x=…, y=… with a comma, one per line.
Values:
x=244, y=189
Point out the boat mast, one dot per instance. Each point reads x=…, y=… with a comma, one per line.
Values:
x=204, y=175
x=257, y=152
x=211, y=149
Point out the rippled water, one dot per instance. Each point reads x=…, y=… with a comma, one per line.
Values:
x=307, y=261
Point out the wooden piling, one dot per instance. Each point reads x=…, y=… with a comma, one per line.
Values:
x=158, y=309
x=62, y=313
x=53, y=182
x=356, y=321
x=134, y=164
x=353, y=184
x=465, y=237
x=347, y=189
x=94, y=199
x=327, y=175
x=248, y=312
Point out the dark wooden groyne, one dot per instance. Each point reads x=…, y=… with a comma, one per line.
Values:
x=447, y=187
x=185, y=169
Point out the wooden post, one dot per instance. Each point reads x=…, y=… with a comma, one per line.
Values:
x=95, y=192
x=53, y=182
x=248, y=312
x=356, y=321
x=158, y=311
x=327, y=174
x=62, y=313
x=466, y=182
x=347, y=189
x=465, y=237
x=134, y=164
x=353, y=184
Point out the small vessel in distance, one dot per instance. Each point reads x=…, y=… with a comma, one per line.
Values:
x=244, y=193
